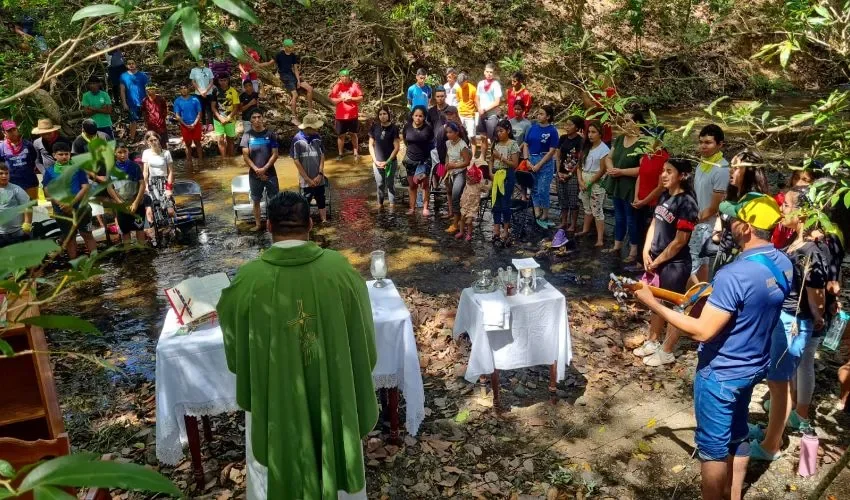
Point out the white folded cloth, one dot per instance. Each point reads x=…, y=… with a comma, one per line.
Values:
x=496, y=310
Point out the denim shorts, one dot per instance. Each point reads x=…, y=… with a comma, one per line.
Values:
x=785, y=350
x=257, y=186
x=721, y=410
x=701, y=232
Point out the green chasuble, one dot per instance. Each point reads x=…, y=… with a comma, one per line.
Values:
x=298, y=334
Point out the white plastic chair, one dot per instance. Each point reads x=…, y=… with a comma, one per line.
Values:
x=240, y=185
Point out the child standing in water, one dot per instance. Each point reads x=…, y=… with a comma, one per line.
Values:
x=470, y=200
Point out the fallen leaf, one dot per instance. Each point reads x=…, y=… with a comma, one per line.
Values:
x=491, y=477
x=677, y=469
x=462, y=416
x=449, y=481
x=641, y=456
x=477, y=451
x=651, y=423
x=586, y=466
x=644, y=447
x=792, y=487
x=528, y=465
x=601, y=429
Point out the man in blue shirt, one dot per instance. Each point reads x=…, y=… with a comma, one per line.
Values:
x=133, y=92
x=187, y=109
x=419, y=94
x=734, y=331
x=67, y=196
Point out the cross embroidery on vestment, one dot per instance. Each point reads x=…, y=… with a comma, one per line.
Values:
x=308, y=338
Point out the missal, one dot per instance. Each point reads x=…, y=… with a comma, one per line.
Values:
x=194, y=299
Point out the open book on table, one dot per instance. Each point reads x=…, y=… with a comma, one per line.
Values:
x=194, y=299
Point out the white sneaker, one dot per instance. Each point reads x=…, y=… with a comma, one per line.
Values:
x=659, y=358
x=648, y=347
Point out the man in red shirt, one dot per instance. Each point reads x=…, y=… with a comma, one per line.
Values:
x=518, y=92
x=346, y=94
x=154, y=112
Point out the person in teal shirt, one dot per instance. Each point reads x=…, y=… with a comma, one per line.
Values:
x=420, y=93
x=98, y=105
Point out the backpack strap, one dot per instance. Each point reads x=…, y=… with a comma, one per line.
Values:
x=781, y=280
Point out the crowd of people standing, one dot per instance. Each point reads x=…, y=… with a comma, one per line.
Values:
x=679, y=221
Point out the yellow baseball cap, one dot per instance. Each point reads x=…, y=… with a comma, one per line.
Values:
x=756, y=209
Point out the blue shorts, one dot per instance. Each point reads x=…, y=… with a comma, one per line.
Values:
x=721, y=410
x=134, y=112
x=270, y=186
x=785, y=350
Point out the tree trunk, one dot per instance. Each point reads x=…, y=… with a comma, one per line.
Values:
x=371, y=12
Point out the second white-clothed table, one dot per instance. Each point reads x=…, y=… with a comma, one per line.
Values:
x=538, y=331
x=192, y=378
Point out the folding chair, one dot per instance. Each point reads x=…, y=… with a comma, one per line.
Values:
x=193, y=210
x=522, y=211
x=240, y=186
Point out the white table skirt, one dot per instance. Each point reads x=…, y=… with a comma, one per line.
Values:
x=539, y=333
x=192, y=377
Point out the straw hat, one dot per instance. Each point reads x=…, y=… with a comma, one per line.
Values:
x=311, y=120
x=45, y=126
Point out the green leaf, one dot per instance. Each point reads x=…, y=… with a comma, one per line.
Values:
x=822, y=11
x=168, y=29
x=85, y=471
x=192, y=33
x=62, y=323
x=25, y=255
x=97, y=10
x=6, y=469
x=233, y=44
x=305, y=3
x=238, y=9
x=462, y=416
x=51, y=493
x=784, y=55
x=8, y=214
x=847, y=199
x=6, y=350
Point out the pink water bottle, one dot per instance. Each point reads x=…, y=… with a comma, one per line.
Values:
x=808, y=455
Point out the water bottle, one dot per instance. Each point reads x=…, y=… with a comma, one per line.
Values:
x=836, y=331
x=808, y=455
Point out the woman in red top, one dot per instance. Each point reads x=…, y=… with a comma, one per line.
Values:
x=518, y=92
x=648, y=187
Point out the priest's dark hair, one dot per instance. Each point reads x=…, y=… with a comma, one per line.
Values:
x=289, y=213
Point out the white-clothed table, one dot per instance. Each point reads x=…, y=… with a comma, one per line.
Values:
x=192, y=377
x=539, y=333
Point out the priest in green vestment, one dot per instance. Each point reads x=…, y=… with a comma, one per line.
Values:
x=298, y=334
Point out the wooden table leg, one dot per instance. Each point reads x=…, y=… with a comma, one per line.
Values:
x=207, y=429
x=194, y=438
x=494, y=386
x=393, y=407
x=553, y=382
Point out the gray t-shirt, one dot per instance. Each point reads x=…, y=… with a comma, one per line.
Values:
x=308, y=150
x=707, y=183
x=12, y=196
x=520, y=128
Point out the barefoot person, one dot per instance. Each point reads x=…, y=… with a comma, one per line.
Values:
x=309, y=157
x=225, y=108
x=259, y=151
x=542, y=145
x=384, y=145
x=188, y=111
x=596, y=160
x=289, y=70
x=418, y=137
x=666, y=254
x=625, y=162
x=133, y=83
x=458, y=157
x=298, y=334
x=734, y=331
x=346, y=94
